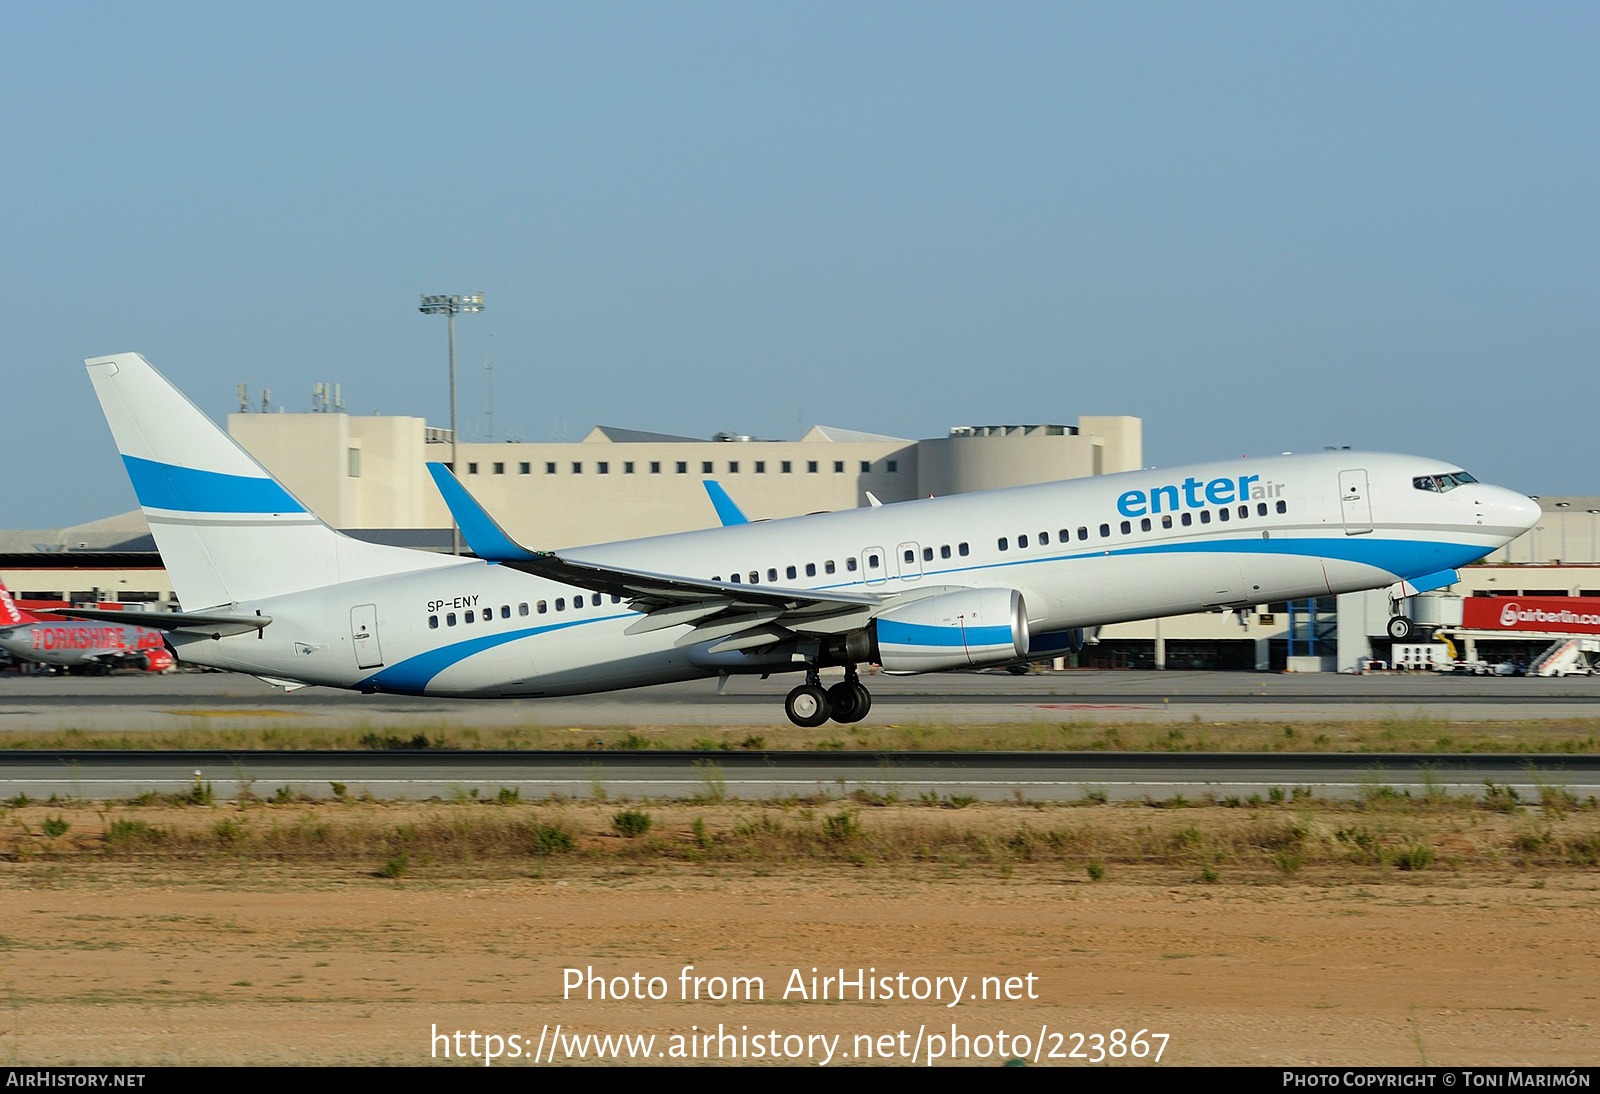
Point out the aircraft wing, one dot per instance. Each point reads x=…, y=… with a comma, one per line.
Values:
x=216, y=624
x=666, y=599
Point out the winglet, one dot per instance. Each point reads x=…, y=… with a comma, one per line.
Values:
x=483, y=534
x=872, y=500
x=727, y=511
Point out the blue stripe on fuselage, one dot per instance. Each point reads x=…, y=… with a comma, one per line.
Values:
x=414, y=674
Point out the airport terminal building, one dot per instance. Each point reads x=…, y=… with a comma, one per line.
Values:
x=368, y=476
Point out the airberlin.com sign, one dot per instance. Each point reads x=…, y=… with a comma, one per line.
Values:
x=1559, y=614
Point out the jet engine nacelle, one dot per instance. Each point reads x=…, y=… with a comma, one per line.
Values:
x=961, y=629
x=157, y=660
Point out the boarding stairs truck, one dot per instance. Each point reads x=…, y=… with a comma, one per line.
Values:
x=1566, y=657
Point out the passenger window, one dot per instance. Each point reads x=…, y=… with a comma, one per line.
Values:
x=850, y=564
x=1205, y=516
x=469, y=617
x=522, y=609
x=927, y=554
x=872, y=562
x=1144, y=525
x=450, y=620
x=543, y=606
x=791, y=573
x=755, y=577
x=1004, y=544
x=1105, y=530
x=505, y=611
x=561, y=603
x=1127, y=527
x=616, y=600
x=1044, y=539
x=433, y=622
x=1244, y=511
x=1283, y=507
x=811, y=569
x=1188, y=519
x=1261, y=509
x=944, y=552
x=1222, y=514
x=577, y=601
x=772, y=576
x=1166, y=520
x=1022, y=541
x=963, y=550
x=828, y=566
x=1083, y=533
x=734, y=577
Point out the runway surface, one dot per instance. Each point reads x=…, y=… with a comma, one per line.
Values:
x=131, y=702
x=200, y=700
x=1030, y=776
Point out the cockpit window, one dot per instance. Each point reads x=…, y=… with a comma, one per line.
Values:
x=1441, y=483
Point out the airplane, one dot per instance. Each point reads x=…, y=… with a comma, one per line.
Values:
x=26, y=637
x=934, y=584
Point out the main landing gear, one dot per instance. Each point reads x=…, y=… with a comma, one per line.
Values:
x=809, y=705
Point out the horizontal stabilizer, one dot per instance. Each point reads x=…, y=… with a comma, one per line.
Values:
x=216, y=624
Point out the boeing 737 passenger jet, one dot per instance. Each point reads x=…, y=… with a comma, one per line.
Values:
x=918, y=586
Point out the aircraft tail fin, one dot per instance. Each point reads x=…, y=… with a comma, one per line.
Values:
x=10, y=614
x=227, y=530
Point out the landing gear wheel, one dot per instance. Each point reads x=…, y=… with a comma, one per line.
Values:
x=807, y=706
x=1399, y=628
x=850, y=701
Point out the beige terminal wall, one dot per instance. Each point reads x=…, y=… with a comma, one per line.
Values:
x=370, y=472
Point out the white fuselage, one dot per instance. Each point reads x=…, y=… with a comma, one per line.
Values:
x=1082, y=553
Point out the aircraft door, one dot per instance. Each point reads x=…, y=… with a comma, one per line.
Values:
x=910, y=557
x=1354, y=500
x=364, y=636
x=874, y=566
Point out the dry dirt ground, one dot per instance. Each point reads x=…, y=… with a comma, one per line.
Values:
x=107, y=960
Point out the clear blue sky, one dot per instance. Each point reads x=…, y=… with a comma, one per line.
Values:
x=1261, y=227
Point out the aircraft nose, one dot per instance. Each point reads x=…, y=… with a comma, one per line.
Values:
x=1514, y=510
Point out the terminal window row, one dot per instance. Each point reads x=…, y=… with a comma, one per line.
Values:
x=1146, y=524
x=681, y=467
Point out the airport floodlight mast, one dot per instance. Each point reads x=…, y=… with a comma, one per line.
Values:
x=452, y=306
